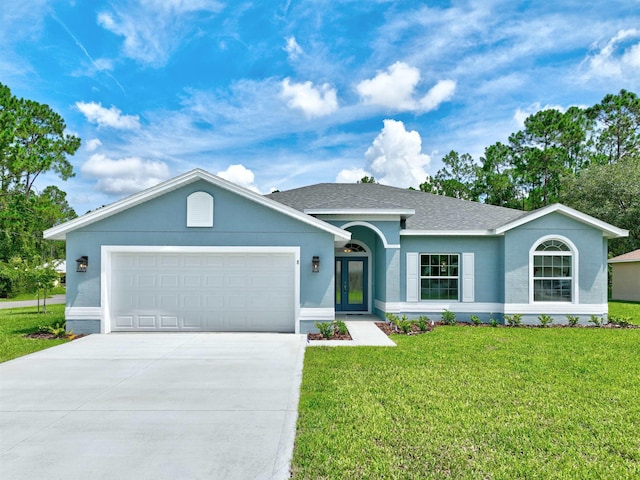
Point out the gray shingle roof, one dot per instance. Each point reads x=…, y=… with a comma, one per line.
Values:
x=432, y=212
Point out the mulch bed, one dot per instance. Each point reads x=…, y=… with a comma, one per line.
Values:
x=51, y=336
x=336, y=336
x=389, y=329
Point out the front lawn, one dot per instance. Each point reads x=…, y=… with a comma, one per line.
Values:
x=470, y=403
x=16, y=322
x=620, y=308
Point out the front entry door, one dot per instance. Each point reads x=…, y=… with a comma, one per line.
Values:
x=351, y=284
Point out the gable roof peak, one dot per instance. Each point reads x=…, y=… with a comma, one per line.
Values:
x=59, y=231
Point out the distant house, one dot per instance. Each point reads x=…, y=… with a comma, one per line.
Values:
x=198, y=253
x=626, y=276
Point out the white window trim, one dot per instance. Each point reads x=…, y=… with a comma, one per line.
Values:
x=574, y=269
x=420, y=276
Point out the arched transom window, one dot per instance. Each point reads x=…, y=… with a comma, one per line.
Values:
x=553, y=272
x=354, y=248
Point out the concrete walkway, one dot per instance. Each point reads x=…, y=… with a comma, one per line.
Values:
x=53, y=300
x=152, y=406
x=363, y=333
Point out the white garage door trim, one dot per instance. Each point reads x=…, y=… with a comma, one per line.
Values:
x=106, y=263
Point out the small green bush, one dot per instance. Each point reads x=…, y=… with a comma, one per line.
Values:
x=423, y=323
x=597, y=321
x=475, y=320
x=392, y=318
x=405, y=324
x=620, y=321
x=545, y=320
x=326, y=329
x=59, y=329
x=341, y=327
x=514, y=320
x=448, y=318
x=572, y=320
x=493, y=322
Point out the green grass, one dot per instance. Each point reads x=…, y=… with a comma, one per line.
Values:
x=16, y=322
x=625, y=309
x=474, y=403
x=34, y=296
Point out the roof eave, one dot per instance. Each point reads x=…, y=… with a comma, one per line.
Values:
x=392, y=212
x=446, y=233
x=608, y=230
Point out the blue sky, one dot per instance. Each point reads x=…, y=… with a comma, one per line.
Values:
x=280, y=94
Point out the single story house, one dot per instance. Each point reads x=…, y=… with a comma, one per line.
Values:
x=625, y=274
x=198, y=253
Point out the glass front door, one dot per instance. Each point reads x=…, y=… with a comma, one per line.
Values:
x=351, y=283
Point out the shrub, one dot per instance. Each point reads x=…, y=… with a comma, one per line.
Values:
x=493, y=322
x=475, y=320
x=514, y=320
x=59, y=329
x=448, y=318
x=597, y=321
x=392, y=318
x=572, y=320
x=545, y=320
x=341, y=327
x=405, y=324
x=326, y=329
x=423, y=323
x=620, y=321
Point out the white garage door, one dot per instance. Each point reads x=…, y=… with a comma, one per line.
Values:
x=213, y=292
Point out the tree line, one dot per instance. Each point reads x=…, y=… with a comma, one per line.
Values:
x=32, y=142
x=585, y=158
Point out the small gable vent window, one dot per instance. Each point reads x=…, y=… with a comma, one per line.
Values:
x=200, y=210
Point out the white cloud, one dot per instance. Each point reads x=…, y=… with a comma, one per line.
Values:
x=92, y=144
x=240, y=175
x=395, y=89
x=125, y=175
x=153, y=29
x=395, y=156
x=292, y=48
x=614, y=60
x=108, y=117
x=313, y=101
x=440, y=92
x=351, y=175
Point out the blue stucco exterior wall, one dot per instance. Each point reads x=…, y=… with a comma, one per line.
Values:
x=592, y=257
x=488, y=279
x=237, y=222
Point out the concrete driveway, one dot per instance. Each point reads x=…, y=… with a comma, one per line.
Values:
x=152, y=406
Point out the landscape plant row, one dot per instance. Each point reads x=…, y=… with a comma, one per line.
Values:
x=402, y=324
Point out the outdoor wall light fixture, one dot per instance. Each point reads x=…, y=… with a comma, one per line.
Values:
x=315, y=264
x=82, y=263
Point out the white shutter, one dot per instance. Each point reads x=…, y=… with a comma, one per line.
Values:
x=413, y=277
x=468, y=267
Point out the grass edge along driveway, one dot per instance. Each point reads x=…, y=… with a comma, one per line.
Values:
x=16, y=322
x=468, y=403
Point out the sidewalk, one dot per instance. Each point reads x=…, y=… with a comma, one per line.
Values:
x=53, y=300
